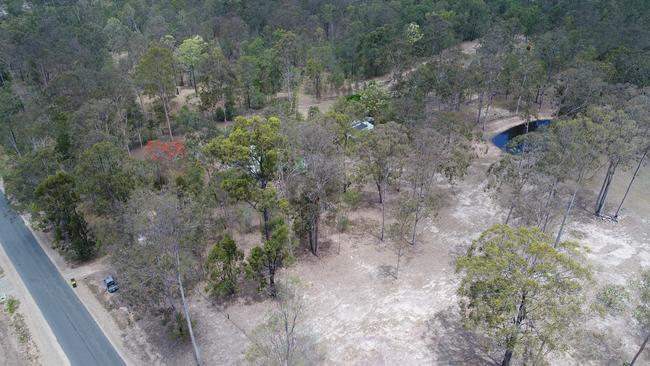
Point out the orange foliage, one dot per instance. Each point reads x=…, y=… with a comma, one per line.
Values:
x=164, y=150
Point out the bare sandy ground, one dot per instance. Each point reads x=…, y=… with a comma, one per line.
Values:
x=13, y=351
x=363, y=316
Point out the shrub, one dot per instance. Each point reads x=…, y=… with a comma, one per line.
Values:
x=343, y=224
x=219, y=115
x=352, y=198
x=12, y=305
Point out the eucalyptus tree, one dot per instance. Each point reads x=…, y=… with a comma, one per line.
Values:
x=341, y=126
x=189, y=53
x=154, y=73
x=381, y=151
x=445, y=149
x=577, y=88
x=639, y=110
x=57, y=199
x=26, y=172
x=318, y=177
x=579, y=136
x=285, y=338
x=106, y=176
x=217, y=75
x=287, y=50
x=252, y=151
x=513, y=173
x=630, y=301
x=264, y=261
x=522, y=292
x=617, y=134
x=10, y=106
x=158, y=256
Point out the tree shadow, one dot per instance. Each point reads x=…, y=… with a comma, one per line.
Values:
x=387, y=271
x=447, y=338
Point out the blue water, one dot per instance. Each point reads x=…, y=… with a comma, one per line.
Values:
x=501, y=140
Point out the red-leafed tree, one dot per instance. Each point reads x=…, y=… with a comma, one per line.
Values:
x=157, y=150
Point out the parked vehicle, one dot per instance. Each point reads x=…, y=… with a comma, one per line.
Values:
x=111, y=285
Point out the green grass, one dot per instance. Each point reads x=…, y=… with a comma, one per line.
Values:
x=12, y=305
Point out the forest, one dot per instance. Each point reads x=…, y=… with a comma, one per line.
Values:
x=206, y=153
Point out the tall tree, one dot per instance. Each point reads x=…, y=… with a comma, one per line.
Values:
x=57, y=198
x=189, y=53
x=578, y=137
x=513, y=173
x=617, y=135
x=445, y=151
x=284, y=339
x=10, y=106
x=521, y=292
x=264, y=261
x=633, y=301
x=381, y=151
x=642, y=310
x=253, y=149
x=159, y=253
x=639, y=110
x=287, y=50
x=105, y=176
x=155, y=75
x=26, y=172
x=318, y=177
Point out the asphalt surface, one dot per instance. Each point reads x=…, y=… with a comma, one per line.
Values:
x=82, y=340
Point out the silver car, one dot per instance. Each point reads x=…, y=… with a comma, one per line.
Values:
x=110, y=283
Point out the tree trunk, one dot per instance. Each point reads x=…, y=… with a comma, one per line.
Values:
x=383, y=220
x=636, y=171
x=568, y=210
x=512, y=207
x=399, y=256
x=415, y=226
x=547, y=213
x=645, y=341
x=196, y=90
x=272, y=290
x=186, y=310
x=510, y=342
x=144, y=111
x=13, y=141
x=507, y=358
x=487, y=110
x=480, y=108
x=604, y=190
x=163, y=99
x=381, y=195
x=316, y=227
x=382, y=188
x=266, y=218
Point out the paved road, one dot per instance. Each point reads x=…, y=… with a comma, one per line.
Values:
x=82, y=340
